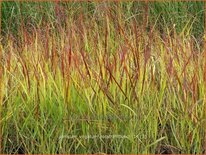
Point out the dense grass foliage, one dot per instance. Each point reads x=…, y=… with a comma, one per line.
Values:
x=164, y=14
x=182, y=14
x=102, y=77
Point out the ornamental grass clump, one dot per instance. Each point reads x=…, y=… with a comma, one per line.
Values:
x=102, y=84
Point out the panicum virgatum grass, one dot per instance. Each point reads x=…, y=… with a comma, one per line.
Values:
x=99, y=82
